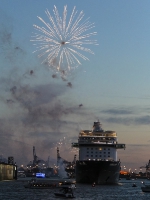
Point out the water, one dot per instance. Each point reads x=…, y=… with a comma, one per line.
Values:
x=14, y=190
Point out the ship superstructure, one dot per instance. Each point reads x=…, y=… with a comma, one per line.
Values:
x=97, y=156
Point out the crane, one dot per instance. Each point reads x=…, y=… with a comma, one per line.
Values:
x=147, y=166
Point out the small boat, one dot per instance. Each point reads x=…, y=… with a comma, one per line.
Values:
x=146, y=188
x=65, y=192
x=134, y=185
x=33, y=184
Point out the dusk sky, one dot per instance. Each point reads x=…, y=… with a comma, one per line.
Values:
x=40, y=109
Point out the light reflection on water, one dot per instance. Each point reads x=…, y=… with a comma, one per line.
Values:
x=14, y=190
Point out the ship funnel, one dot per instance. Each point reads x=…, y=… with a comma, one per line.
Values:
x=97, y=127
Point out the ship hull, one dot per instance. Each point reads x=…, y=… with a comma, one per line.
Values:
x=100, y=172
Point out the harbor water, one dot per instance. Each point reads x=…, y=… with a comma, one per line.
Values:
x=14, y=190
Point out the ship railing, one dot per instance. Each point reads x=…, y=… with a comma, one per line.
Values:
x=97, y=137
x=112, y=160
x=106, y=133
x=116, y=145
x=97, y=142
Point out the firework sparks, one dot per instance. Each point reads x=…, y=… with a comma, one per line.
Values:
x=61, y=43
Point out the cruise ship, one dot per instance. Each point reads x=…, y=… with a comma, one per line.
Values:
x=98, y=156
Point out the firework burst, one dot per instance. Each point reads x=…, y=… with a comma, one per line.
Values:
x=62, y=43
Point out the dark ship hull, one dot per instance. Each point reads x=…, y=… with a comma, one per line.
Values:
x=100, y=172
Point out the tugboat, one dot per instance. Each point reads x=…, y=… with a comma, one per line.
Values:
x=146, y=188
x=98, y=156
x=65, y=192
x=72, y=184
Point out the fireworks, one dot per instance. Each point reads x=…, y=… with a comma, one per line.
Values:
x=61, y=42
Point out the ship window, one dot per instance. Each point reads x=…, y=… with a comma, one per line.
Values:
x=87, y=152
x=104, y=152
x=87, y=148
x=91, y=151
x=95, y=155
x=92, y=148
x=99, y=156
x=104, y=149
x=108, y=152
x=108, y=148
x=108, y=156
x=91, y=155
x=87, y=155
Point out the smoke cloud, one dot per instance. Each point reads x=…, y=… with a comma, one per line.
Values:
x=35, y=110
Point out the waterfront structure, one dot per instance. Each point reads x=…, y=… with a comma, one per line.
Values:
x=97, y=156
x=8, y=171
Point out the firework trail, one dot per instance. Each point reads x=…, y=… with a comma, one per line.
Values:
x=61, y=42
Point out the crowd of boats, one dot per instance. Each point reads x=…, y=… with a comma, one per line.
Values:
x=66, y=188
x=97, y=164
